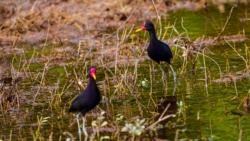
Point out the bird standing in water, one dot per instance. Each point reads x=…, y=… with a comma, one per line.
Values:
x=86, y=100
x=157, y=50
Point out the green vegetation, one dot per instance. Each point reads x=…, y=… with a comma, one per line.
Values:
x=210, y=101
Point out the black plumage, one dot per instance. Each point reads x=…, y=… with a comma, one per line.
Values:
x=87, y=99
x=157, y=50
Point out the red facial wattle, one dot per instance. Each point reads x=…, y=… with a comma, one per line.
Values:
x=143, y=27
x=93, y=72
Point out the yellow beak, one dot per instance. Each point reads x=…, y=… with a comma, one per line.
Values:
x=94, y=76
x=139, y=29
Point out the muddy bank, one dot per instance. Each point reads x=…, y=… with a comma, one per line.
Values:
x=72, y=20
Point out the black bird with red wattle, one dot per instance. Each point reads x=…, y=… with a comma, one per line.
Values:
x=87, y=99
x=157, y=50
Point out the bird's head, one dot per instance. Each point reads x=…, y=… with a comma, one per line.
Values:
x=146, y=26
x=92, y=72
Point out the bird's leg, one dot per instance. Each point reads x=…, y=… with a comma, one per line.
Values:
x=175, y=79
x=83, y=126
x=77, y=119
x=163, y=73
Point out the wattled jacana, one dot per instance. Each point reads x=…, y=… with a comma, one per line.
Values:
x=87, y=99
x=157, y=50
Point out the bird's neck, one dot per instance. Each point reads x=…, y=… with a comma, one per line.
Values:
x=152, y=35
x=91, y=81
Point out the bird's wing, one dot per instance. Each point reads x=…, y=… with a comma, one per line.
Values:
x=79, y=102
x=167, y=51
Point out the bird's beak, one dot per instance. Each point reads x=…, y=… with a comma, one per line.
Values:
x=94, y=76
x=143, y=27
x=139, y=29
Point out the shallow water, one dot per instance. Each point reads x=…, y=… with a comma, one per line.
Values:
x=209, y=114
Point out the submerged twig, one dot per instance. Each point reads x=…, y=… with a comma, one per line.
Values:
x=231, y=11
x=161, y=118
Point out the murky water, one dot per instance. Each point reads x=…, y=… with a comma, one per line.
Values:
x=214, y=112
